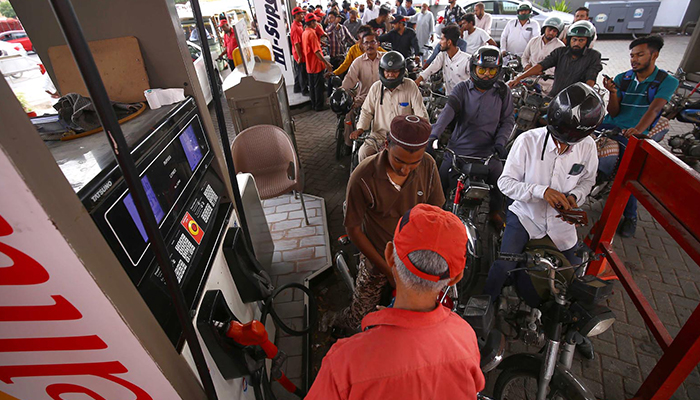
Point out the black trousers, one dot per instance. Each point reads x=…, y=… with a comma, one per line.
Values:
x=316, y=84
x=301, y=78
x=335, y=62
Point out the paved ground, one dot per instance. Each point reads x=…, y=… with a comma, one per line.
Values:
x=625, y=353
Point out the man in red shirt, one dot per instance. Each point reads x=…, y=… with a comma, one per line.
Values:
x=418, y=349
x=315, y=63
x=229, y=41
x=301, y=78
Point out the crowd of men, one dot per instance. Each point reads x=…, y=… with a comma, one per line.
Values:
x=394, y=197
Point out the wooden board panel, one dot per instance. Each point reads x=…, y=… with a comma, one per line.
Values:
x=120, y=64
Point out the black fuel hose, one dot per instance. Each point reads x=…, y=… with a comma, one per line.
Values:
x=268, y=308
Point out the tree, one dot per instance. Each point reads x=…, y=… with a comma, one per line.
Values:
x=7, y=10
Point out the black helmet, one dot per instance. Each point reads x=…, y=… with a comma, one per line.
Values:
x=392, y=61
x=574, y=113
x=552, y=22
x=524, y=7
x=581, y=29
x=488, y=57
x=341, y=101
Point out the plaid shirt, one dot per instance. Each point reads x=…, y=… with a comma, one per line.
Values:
x=337, y=39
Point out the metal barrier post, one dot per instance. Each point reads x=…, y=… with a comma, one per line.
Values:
x=663, y=185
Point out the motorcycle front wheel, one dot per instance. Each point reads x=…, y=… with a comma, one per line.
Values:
x=519, y=384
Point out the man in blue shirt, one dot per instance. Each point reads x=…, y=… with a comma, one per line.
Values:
x=637, y=98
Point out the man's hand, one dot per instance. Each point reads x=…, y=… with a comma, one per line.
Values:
x=630, y=131
x=572, y=201
x=328, y=74
x=417, y=60
x=356, y=134
x=512, y=83
x=556, y=199
x=610, y=85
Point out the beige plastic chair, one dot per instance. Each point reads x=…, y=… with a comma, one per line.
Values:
x=267, y=152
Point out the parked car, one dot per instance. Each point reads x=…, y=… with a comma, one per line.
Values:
x=14, y=61
x=201, y=70
x=504, y=11
x=17, y=37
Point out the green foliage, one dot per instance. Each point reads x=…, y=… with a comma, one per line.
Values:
x=546, y=4
x=7, y=10
x=561, y=6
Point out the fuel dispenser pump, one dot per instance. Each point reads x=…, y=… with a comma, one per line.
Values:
x=175, y=174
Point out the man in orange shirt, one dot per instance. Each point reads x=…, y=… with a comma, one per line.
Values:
x=315, y=63
x=301, y=78
x=418, y=349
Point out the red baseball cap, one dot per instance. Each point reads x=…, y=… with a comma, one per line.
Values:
x=426, y=227
x=222, y=22
x=297, y=10
x=319, y=12
x=310, y=17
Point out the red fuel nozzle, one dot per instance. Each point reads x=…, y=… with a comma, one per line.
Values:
x=251, y=334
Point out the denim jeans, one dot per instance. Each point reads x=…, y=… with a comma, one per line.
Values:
x=515, y=238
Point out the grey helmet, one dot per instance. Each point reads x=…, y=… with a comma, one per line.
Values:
x=553, y=22
x=581, y=29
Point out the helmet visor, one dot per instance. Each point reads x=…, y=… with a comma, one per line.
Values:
x=486, y=72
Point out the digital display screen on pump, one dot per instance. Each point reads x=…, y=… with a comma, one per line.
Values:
x=164, y=181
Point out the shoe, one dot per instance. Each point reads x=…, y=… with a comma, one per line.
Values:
x=628, y=227
x=585, y=349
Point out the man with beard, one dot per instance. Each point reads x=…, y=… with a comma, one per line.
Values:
x=380, y=191
x=540, y=47
x=370, y=13
x=402, y=39
x=575, y=63
x=424, y=23
x=453, y=62
x=637, y=98
x=483, y=19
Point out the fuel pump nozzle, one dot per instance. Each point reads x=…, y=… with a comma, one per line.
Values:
x=254, y=333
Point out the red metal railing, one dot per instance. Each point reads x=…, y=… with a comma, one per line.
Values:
x=670, y=191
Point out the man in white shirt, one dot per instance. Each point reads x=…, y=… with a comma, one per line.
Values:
x=483, y=19
x=538, y=48
x=518, y=33
x=475, y=37
x=371, y=12
x=548, y=169
x=425, y=23
x=453, y=62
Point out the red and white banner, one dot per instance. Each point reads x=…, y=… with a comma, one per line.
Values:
x=59, y=334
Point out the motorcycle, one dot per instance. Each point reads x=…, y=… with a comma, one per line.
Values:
x=685, y=108
x=465, y=202
x=530, y=106
x=434, y=97
x=342, y=102
x=512, y=66
x=570, y=312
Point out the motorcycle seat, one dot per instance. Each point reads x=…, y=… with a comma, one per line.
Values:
x=475, y=170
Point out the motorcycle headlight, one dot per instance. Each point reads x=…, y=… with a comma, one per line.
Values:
x=518, y=91
x=592, y=320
